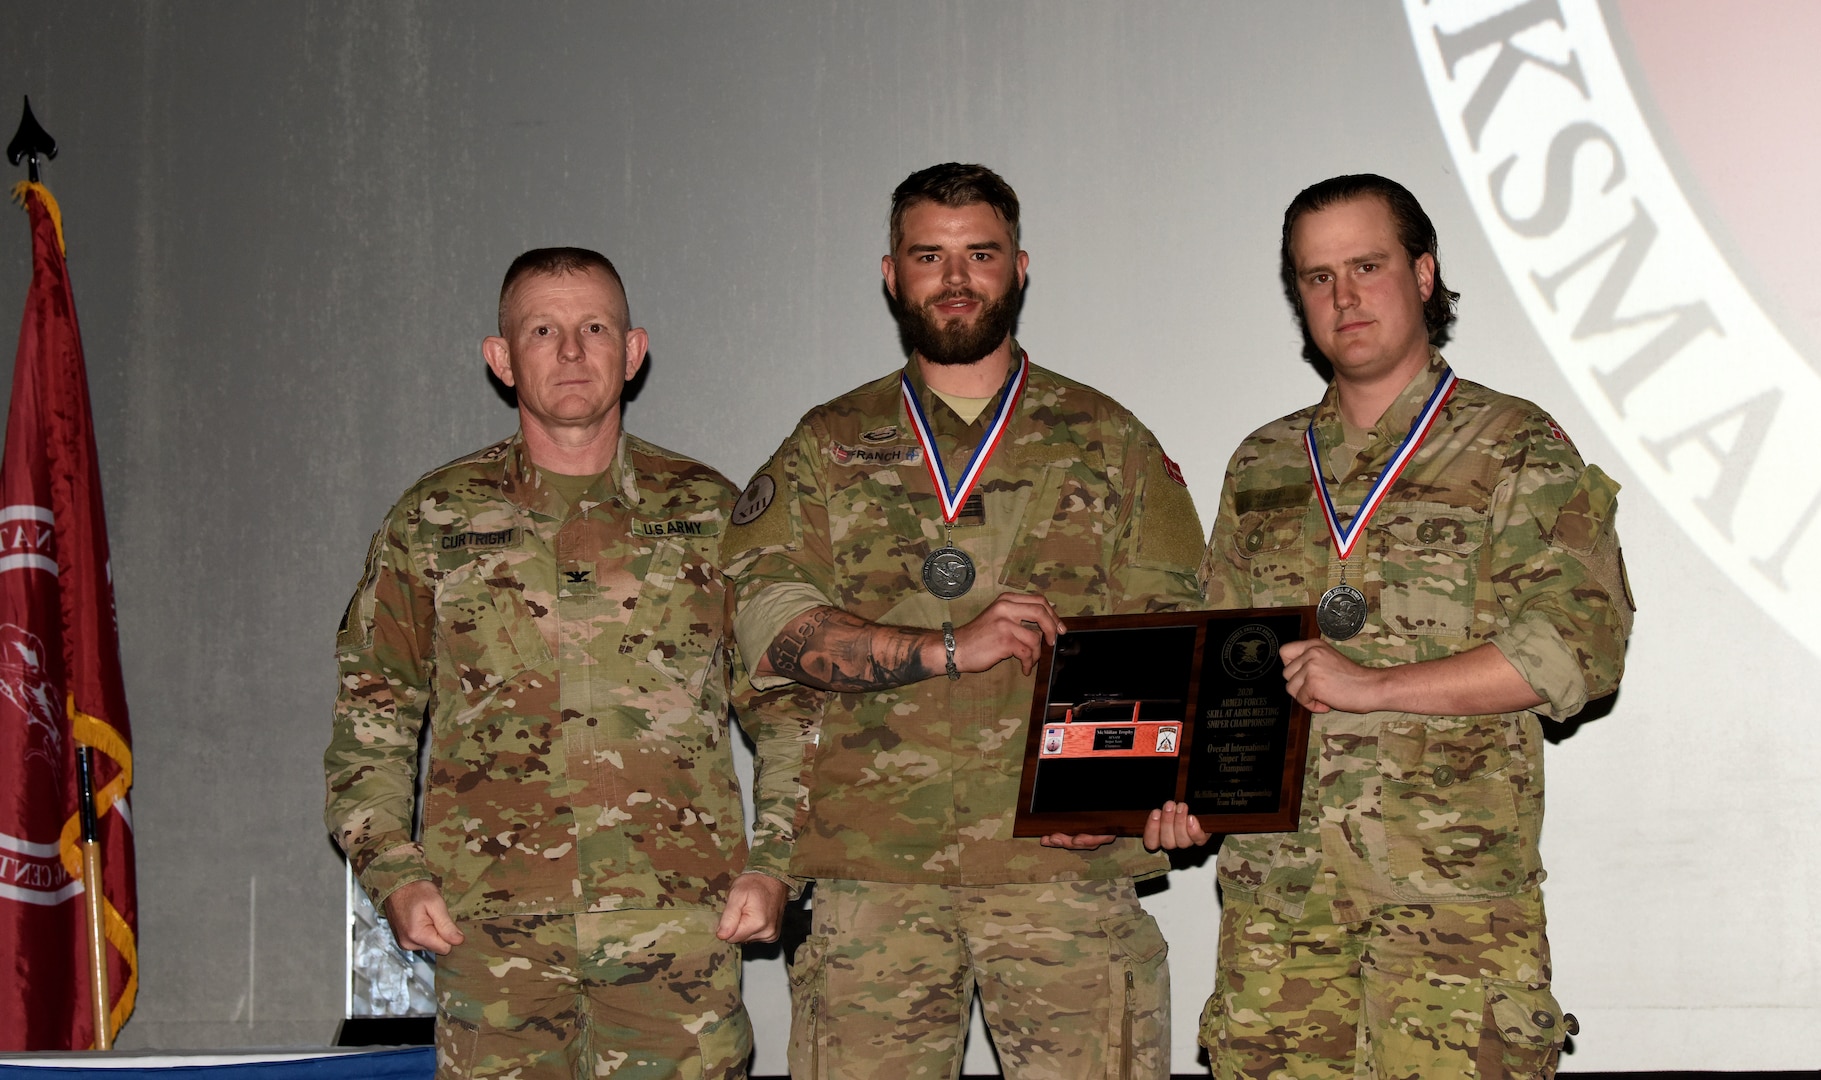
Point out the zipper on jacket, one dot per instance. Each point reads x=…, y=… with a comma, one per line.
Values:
x=1125, y=1031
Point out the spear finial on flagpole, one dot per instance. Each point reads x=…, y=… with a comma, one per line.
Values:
x=30, y=141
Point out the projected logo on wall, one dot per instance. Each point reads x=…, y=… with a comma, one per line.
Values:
x=1713, y=401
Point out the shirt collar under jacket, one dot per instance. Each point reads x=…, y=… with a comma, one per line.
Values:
x=1391, y=427
x=524, y=487
x=942, y=419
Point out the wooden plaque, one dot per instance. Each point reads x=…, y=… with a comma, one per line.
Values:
x=1133, y=711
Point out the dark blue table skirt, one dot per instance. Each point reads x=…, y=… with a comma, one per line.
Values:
x=410, y=1063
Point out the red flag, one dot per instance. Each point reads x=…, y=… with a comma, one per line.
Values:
x=59, y=680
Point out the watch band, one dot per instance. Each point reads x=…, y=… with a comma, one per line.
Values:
x=948, y=643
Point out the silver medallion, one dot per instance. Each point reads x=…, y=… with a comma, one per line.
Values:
x=948, y=572
x=1341, y=613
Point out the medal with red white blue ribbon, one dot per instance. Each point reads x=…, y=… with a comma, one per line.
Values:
x=948, y=572
x=1342, y=610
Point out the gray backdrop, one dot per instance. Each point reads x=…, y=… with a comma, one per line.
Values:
x=286, y=226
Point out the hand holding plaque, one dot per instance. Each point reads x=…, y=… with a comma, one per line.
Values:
x=1133, y=711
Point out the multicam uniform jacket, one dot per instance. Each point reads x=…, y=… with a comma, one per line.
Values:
x=919, y=783
x=1495, y=532
x=573, y=668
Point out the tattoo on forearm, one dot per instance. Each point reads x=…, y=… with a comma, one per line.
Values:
x=786, y=652
x=832, y=650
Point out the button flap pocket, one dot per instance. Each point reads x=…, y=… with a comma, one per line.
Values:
x=1586, y=516
x=1438, y=527
x=489, y=630
x=1136, y=937
x=1266, y=531
x=1412, y=752
x=1524, y=1014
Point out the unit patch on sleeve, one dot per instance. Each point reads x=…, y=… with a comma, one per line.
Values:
x=755, y=499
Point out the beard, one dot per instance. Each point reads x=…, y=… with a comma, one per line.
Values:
x=951, y=342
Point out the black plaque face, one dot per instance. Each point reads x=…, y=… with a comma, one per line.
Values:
x=1243, y=730
x=1133, y=711
x=1111, y=687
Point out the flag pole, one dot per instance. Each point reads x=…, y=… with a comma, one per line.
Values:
x=99, y=995
x=59, y=600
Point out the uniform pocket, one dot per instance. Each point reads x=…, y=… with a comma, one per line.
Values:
x=1523, y=1031
x=1261, y=533
x=1265, y=548
x=726, y=1046
x=807, y=987
x=1213, y=1022
x=1139, y=962
x=1449, y=800
x=679, y=632
x=1431, y=557
x=487, y=631
x=456, y=1041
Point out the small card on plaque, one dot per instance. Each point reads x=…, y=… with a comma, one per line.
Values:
x=1133, y=711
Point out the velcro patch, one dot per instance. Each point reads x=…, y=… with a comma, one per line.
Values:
x=1280, y=498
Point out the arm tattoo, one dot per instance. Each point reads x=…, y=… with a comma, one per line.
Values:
x=832, y=650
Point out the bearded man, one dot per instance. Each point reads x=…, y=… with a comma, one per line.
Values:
x=909, y=538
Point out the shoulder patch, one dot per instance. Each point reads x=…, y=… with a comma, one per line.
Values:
x=755, y=500
x=356, y=629
x=1556, y=432
x=1171, y=469
x=1169, y=533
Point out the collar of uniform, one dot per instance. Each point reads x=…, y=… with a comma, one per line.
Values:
x=523, y=485
x=942, y=419
x=1394, y=424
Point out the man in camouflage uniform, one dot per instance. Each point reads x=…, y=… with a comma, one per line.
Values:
x=1400, y=930
x=551, y=605
x=878, y=622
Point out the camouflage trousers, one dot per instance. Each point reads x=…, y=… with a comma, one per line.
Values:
x=1072, y=976
x=1415, y=990
x=631, y=995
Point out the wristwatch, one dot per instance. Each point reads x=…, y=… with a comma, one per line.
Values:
x=948, y=643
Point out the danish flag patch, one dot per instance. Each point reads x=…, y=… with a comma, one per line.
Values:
x=1171, y=469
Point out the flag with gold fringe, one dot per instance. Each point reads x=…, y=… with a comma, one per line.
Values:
x=60, y=682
